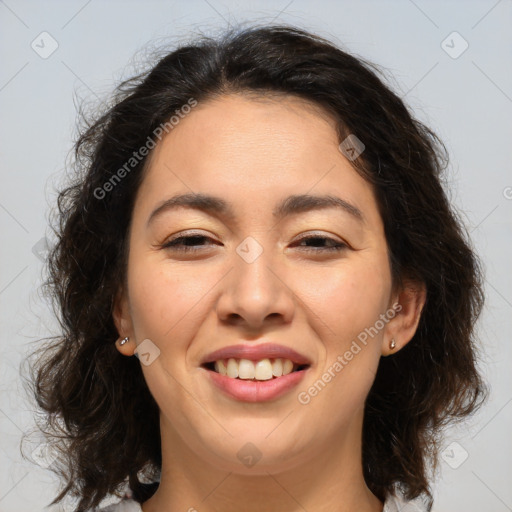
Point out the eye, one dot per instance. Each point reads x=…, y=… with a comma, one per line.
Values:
x=187, y=243
x=196, y=242
x=319, y=243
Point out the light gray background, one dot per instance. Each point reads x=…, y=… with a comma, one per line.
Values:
x=467, y=100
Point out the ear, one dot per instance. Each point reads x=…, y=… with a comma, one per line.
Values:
x=408, y=304
x=123, y=322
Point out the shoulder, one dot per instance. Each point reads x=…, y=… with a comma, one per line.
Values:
x=397, y=503
x=125, y=505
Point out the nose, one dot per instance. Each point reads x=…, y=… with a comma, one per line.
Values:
x=255, y=294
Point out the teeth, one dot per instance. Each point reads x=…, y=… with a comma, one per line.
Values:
x=277, y=368
x=287, y=367
x=232, y=370
x=265, y=369
x=246, y=369
x=220, y=367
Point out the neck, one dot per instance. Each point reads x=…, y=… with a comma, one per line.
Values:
x=331, y=480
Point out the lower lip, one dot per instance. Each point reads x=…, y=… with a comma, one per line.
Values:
x=256, y=391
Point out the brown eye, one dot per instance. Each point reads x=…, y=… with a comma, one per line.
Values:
x=188, y=243
x=318, y=243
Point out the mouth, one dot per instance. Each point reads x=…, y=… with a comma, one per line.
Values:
x=258, y=381
x=254, y=370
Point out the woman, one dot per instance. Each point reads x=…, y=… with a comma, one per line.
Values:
x=261, y=222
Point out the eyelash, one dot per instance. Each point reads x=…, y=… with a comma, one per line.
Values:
x=180, y=247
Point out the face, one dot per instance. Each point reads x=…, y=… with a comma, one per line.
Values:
x=253, y=267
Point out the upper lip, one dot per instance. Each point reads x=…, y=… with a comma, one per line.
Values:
x=256, y=353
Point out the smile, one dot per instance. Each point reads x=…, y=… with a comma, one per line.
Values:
x=264, y=369
x=255, y=381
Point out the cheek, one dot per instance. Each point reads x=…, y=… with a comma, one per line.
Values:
x=165, y=304
x=350, y=298
x=348, y=302
x=164, y=300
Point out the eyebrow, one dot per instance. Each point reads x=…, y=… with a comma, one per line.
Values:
x=292, y=205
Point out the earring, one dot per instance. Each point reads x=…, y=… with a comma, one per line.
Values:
x=392, y=344
x=124, y=340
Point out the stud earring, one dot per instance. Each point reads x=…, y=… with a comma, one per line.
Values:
x=392, y=344
x=124, y=340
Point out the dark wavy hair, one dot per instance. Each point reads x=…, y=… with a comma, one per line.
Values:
x=96, y=403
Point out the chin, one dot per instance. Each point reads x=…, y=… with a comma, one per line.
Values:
x=255, y=455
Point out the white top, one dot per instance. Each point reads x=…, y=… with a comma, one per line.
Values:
x=392, y=504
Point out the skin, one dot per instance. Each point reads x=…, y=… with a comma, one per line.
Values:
x=253, y=152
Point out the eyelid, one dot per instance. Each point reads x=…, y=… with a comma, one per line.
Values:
x=187, y=233
x=191, y=232
x=320, y=234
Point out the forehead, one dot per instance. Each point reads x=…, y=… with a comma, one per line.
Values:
x=255, y=149
x=249, y=130
x=248, y=124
